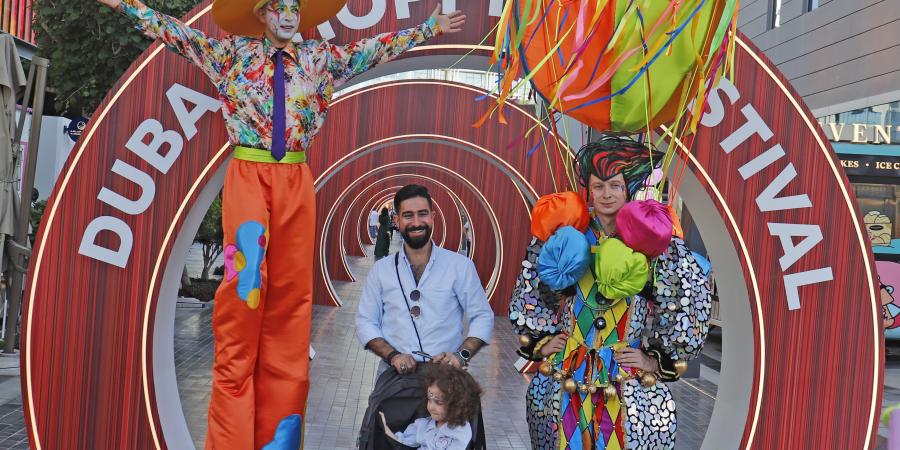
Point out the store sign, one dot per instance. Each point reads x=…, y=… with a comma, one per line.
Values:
x=872, y=166
x=859, y=133
x=75, y=128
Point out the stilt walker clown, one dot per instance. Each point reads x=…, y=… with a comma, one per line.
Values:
x=275, y=96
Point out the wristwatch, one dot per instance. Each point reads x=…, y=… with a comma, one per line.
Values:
x=466, y=355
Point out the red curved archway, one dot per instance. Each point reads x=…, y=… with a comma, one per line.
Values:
x=488, y=263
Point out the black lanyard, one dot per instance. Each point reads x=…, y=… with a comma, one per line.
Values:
x=405, y=300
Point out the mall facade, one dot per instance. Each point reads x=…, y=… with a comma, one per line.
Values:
x=843, y=58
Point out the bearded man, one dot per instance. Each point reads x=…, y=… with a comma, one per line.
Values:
x=414, y=302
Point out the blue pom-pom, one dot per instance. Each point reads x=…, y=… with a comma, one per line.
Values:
x=564, y=259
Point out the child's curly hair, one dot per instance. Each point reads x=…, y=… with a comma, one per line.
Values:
x=462, y=393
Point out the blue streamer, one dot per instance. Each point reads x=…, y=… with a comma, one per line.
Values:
x=536, y=146
x=538, y=27
x=562, y=59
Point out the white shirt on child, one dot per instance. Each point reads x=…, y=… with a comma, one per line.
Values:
x=425, y=434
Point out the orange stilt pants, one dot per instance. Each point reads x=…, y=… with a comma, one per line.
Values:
x=262, y=311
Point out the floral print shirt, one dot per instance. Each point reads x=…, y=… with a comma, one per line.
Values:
x=242, y=69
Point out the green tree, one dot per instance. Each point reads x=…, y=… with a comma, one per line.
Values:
x=89, y=47
x=210, y=236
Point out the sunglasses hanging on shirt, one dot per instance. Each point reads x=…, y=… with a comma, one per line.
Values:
x=415, y=311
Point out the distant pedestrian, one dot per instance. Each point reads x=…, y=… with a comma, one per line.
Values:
x=373, y=223
x=383, y=241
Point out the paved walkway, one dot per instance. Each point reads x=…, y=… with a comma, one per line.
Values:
x=12, y=418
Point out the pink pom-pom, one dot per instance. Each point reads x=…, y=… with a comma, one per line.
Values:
x=645, y=226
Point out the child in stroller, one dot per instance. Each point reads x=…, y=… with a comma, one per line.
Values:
x=448, y=418
x=452, y=398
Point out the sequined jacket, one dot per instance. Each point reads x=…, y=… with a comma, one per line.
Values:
x=677, y=300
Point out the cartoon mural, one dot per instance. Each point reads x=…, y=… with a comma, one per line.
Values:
x=889, y=280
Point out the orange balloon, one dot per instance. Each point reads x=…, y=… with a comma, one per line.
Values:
x=541, y=36
x=616, y=65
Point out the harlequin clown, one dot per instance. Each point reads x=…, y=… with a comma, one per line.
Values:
x=612, y=304
x=275, y=96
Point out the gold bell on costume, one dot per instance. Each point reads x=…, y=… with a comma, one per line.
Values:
x=546, y=368
x=238, y=17
x=648, y=379
x=610, y=392
x=524, y=340
x=681, y=366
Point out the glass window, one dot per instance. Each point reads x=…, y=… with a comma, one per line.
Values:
x=886, y=115
x=811, y=5
x=775, y=14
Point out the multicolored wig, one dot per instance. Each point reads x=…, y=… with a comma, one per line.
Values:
x=613, y=155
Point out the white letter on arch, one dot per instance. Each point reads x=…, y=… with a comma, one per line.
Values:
x=89, y=247
x=402, y=8
x=786, y=232
x=767, y=200
x=177, y=94
x=793, y=281
x=158, y=137
x=127, y=206
x=367, y=21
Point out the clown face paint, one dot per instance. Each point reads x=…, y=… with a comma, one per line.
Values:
x=282, y=18
x=437, y=404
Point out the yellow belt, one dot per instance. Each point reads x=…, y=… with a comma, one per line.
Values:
x=265, y=156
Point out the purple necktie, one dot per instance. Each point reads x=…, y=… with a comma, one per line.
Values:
x=279, y=144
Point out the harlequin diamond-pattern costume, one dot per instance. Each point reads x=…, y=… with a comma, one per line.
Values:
x=586, y=417
x=582, y=398
x=263, y=307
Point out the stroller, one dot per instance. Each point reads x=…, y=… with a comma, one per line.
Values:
x=401, y=398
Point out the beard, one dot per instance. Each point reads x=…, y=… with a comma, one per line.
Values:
x=416, y=242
